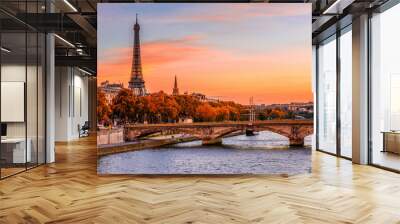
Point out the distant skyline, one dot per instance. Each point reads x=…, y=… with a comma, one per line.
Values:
x=229, y=51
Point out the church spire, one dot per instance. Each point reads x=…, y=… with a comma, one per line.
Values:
x=175, y=91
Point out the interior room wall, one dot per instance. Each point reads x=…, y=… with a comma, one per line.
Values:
x=15, y=73
x=29, y=128
x=71, y=102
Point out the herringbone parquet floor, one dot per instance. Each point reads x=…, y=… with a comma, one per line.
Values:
x=70, y=191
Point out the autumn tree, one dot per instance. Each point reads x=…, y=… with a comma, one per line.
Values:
x=205, y=112
x=103, y=109
x=276, y=114
x=234, y=113
x=188, y=105
x=123, y=107
x=160, y=107
x=167, y=108
x=222, y=113
x=290, y=115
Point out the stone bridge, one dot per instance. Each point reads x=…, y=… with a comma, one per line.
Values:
x=213, y=132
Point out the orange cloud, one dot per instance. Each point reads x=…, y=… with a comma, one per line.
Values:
x=281, y=76
x=115, y=64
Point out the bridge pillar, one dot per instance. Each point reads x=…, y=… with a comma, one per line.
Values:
x=213, y=141
x=296, y=142
x=249, y=132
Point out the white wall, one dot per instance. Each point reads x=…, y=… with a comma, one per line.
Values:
x=12, y=73
x=71, y=102
x=33, y=126
x=16, y=73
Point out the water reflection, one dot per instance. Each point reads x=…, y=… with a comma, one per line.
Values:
x=265, y=153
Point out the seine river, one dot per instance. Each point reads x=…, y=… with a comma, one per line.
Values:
x=265, y=153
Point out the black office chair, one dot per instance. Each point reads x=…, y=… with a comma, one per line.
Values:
x=84, y=130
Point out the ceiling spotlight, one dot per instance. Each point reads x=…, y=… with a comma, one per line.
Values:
x=337, y=7
x=70, y=5
x=64, y=40
x=84, y=71
x=79, y=51
x=5, y=50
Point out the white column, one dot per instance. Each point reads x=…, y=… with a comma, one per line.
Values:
x=92, y=85
x=314, y=91
x=360, y=90
x=63, y=102
x=50, y=99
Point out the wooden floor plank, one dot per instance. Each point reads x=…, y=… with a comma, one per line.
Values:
x=70, y=191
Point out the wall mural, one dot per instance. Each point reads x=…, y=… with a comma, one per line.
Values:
x=204, y=88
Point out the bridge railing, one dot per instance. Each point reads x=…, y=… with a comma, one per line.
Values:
x=227, y=123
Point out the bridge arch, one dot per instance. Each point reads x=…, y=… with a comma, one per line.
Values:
x=295, y=131
x=147, y=133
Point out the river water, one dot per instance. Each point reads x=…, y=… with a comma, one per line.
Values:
x=265, y=153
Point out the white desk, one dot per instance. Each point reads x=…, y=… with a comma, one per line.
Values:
x=18, y=151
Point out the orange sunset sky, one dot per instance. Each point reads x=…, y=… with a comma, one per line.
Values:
x=225, y=51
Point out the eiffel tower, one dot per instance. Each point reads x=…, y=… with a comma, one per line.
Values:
x=136, y=84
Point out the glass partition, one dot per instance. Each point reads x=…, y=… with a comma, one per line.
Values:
x=346, y=93
x=385, y=89
x=22, y=88
x=31, y=97
x=14, y=155
x=327, y=95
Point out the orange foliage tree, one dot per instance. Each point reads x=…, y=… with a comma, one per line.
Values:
x=160, y=107
x=205, y=112
x=123, y=107
x=103, y=109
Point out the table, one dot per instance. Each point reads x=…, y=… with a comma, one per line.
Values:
x=13, y=150
x=391, y=141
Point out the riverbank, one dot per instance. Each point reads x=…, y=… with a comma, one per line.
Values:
x=151, y=142
x=140, y=145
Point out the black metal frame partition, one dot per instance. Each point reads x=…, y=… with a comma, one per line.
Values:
x=28, y=29
x=382, y=8
x=339, y=32
x=389, y=4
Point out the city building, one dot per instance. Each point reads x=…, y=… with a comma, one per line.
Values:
x=110, y=90
x=199, y=96
x=302, y=107
x=48, y=54
x=294, y=106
